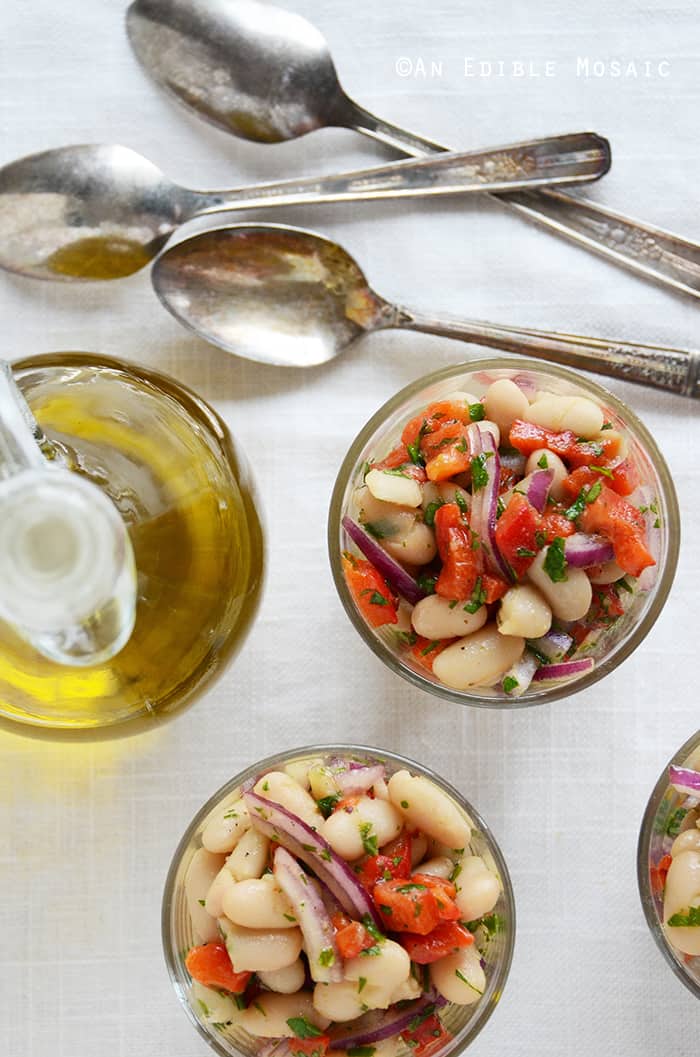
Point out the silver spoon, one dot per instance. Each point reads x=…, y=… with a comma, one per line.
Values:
x=267, y=75
x=281, y=295
x=102, y=212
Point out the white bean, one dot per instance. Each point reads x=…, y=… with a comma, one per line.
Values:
x=267, y=1017
x=448, y=491
x=222, y=883
x=523, y=611
x=569, y=599
x=215, y=1006
x=459, y=977
x=479, y=659
x=682, y=891
x=406, y=991
x=258, y=904
x=436, y=617
x=347, y=831
x=299, y=770
x=249, y=858
x=203, y=868
x=557, y=412
x=322, y=782
x=392, y=488
x=504, y=402
x=340, y=1002
x=689, y=840
x=286, y=981
x=542, y=459
x=441, y=866
x=460, y=396
x=418, y=547
x=383, y=973
x=607, y=573
x=429, y=809
x=391, y=520
x=478, y=889
x=280, y=788
x=227, y=827
x=255, y=950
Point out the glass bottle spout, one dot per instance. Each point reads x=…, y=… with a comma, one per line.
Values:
x=67, y=573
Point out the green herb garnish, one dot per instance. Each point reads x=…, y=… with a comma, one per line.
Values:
x=510, y=683
x=327, y=803
x=431, y=510
x=542, y=461
x=689, y=918
x=555, y=561
x=372, y=929
x=480, y=477
x=303, y=1029
x=326, y=957
x=478, y=598
x=369, y=840
x=477, y=412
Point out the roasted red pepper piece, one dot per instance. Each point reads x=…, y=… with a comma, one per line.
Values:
x=407, y=906
x=211, y=966
x=447, y=938
x=516, y=534
x=372, y=594
x=460, y=561
x=622, y=524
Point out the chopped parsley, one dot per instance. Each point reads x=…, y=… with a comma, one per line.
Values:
x=290, y=917
x=555, y=561
x=477, y=412
x=431, y=510
x=414, y=452
x=542, y=461
x=430, y=647
x=456, y=872
x=374, y=530
x=602, y=469
x=361, y=984
x=412, y=887
x=371, y=952
x=464, y=980
x=375, y=597
x=369, y=840
x=360, y=1051
x=202, y=902
x=327, y=803
x=405, y=638
x=588, y=494
x=674, y=825
x=510, y=683
x=461, y=445
x=622, y=583
x=427, y=583
x=480, y=477
x=303, y=1029
x=372, y=928
x=525, y=552
x=397, y=472
x=326, y=957
x=606, y=425
x=404, y=803
x=478, y=598
x=461, y=502
x=685, y=918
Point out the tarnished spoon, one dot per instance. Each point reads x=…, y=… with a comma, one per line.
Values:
x=281, y=295
x=267, y=75
x=102, y=212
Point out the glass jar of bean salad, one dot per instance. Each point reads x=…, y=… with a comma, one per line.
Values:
x=503, y=533
x=338, y=900
x=668, y=864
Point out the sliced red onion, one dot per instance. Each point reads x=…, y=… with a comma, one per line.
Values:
x=554, y=645
x=523, y=671
x=485, y=501
x=392, y=1023
x=392, y=572
x=551, y=673
x=359, y=779
x=685, y=781
x=306, y=844
x=303, y=893
x=582, y=550
x=536, y=488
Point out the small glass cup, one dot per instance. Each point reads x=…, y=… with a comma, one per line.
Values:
x=463, y=1022
x=654, y=842
x=383, y=431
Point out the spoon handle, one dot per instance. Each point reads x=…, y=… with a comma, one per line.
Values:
x=553, y=160
x=675, y=370
x=648, y=251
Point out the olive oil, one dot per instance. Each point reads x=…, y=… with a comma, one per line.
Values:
x=169, y=465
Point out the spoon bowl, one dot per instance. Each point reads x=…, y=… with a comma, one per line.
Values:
x=219, y=59
x=269, y=293
x=89, y=211
x=282, y=295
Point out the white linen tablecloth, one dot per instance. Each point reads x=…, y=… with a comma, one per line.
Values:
x=87, y=830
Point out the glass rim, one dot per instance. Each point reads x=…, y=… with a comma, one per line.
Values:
x=660, y=591
x=501, y=972
x=643, y=849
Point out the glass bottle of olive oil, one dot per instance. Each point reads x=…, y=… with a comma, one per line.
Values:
x=169, y=466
